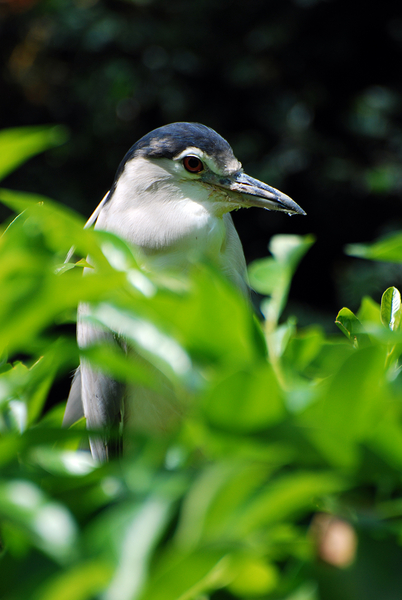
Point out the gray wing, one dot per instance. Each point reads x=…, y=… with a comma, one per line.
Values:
x=74, y=409
x=102, y=396
x=102, y=399
x=95, y=395
x=234, y=266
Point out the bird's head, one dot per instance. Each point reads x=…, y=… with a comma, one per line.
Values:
x=190, y=160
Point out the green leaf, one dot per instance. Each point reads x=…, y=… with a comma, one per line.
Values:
x=188, y=576
x=246, y=400
x=49, y=524
x=65, y=463
x=350, y=325
x=112, y=359
x=388, y=249
x=348, y=406
x=290, y=249
x=19, y=144
x=284, y=497
x=169, y=356
x=266, y=275
x=255, y=577
x=304, y=347
x=273, y=275
x=369, y=311
x=81, y=582
x=391, y=311
x=133, y=532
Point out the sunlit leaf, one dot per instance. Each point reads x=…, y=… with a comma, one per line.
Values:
x=290, y=249
x=350, y=325
x=387, y=249
x=80, y=582
x=185, y=577
x=49, y=524
x=146, y=337
x=266, y=275
x=391, y=311
x=64, y=462
x=255, y=577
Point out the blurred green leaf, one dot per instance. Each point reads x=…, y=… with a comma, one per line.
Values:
x=141, y=532
x=245, y=401
x=284, y=497
x=304, y=347
x=388, y=249
x=49, y=525
x=187, y=577
x=166, y=352
x=80, y=582
x=266, y=275
x=369, y=311
x=254, y=578
x=348, y=407
x=214, y=501
x=62, y=462
x=290, y=249
x=19, y=144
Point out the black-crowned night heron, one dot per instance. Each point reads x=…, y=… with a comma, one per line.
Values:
x=172, y=198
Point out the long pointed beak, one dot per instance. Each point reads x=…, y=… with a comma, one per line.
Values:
x=257, y=193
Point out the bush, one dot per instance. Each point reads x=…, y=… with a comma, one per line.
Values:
x=276, y=475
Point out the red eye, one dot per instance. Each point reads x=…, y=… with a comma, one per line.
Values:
x=193, y=164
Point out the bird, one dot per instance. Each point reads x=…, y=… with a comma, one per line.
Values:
x=171, y=197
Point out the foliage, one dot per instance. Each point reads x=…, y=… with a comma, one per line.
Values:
x=279, y=437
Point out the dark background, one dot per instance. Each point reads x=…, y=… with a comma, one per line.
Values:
x=308, y=92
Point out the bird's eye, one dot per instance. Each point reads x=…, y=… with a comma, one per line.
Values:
x=193, y=164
